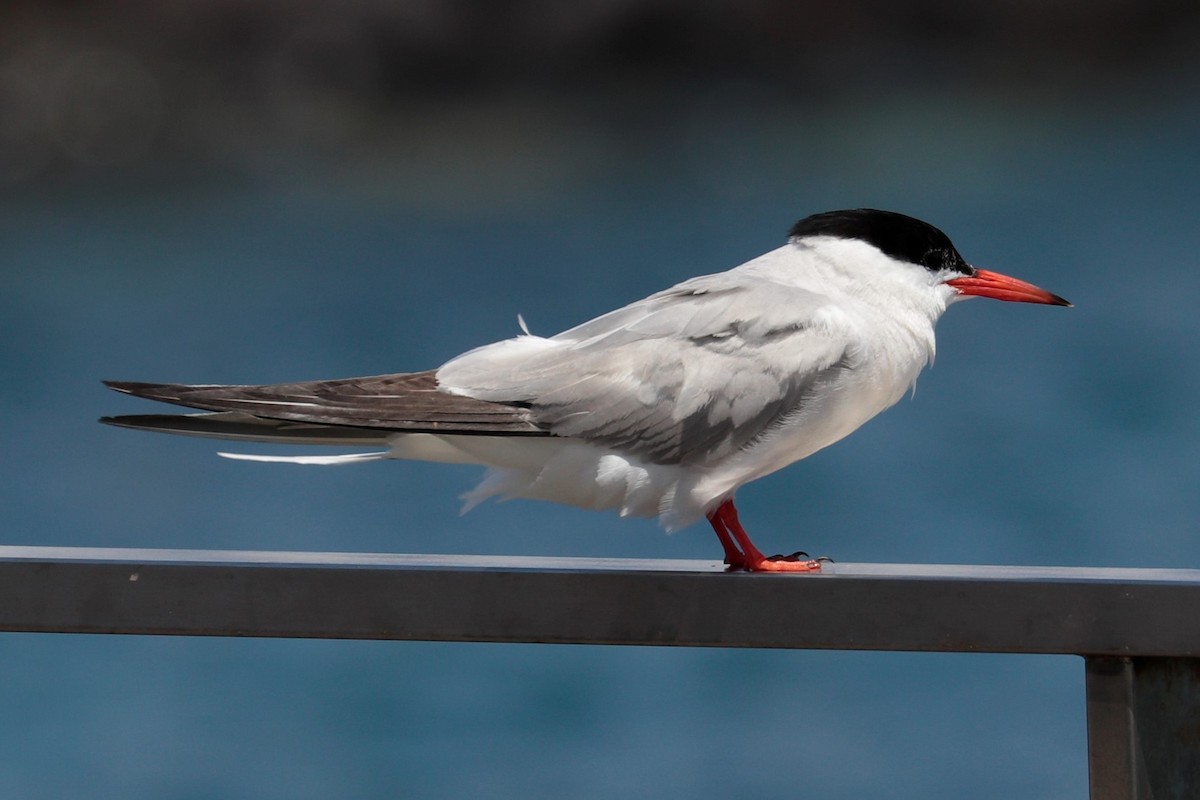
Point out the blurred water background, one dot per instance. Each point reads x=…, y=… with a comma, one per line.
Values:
x=255, y=192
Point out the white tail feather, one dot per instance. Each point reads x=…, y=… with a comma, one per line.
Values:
x=349, y=458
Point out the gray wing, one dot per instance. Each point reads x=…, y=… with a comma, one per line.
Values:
x=689, y=375
x=407, y=402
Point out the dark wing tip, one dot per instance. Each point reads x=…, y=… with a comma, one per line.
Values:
x=136, y=388
x=128, y=421
x=165, y=392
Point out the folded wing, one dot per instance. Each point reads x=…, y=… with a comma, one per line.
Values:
x=689, y=375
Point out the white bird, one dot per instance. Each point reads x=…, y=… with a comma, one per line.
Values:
x=662, y=408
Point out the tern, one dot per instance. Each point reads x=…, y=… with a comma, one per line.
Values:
x=662, y=408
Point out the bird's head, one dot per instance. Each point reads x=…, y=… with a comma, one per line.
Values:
x=913, y=243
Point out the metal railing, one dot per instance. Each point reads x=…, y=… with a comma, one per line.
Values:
x=1138, y=630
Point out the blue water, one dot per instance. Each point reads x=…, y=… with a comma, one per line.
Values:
x=1041, y=436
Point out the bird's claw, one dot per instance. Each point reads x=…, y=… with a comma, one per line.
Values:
x=799, y=555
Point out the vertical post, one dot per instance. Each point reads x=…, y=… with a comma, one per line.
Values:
x=1111, y=734
x=1143, y=728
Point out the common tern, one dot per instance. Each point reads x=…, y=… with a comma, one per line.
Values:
x=664, y=407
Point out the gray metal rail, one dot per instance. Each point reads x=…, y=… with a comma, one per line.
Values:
x=1137, y=629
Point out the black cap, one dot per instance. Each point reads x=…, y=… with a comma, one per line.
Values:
x=901, y=237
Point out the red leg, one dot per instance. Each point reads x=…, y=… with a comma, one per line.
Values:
x=750, y=557
x=733, y=556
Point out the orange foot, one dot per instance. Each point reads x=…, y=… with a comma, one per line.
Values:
x=792, y=563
